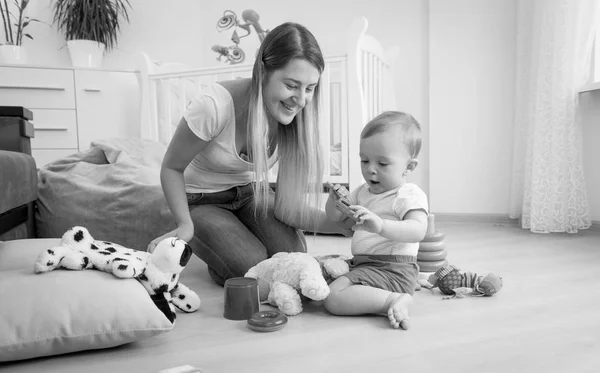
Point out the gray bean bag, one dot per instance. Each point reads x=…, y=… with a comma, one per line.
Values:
x=113, y=189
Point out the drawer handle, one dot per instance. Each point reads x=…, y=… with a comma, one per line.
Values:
x=92, y=89
x=51, y=129
x=39, y=88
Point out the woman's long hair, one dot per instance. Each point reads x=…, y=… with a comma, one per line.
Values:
x=299, y=177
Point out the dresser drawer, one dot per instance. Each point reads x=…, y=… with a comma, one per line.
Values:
x=44, y=156
x=54, y=129
x=36, y=88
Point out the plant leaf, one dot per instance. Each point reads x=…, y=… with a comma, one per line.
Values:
x=97, y=20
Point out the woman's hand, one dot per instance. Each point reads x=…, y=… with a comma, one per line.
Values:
x=369, y=221
x=184, y=232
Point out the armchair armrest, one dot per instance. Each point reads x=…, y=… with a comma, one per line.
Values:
x=18, y=183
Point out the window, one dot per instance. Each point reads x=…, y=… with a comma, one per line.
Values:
x=594, y=81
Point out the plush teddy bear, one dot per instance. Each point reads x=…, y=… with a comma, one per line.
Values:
x=452, y=282
x=157, y=272
x=283, y=276
x=333, y=266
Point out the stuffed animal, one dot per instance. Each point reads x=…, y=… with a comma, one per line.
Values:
x=283, y=276
x=157, y=272
x=452, y=282
x=333, y=266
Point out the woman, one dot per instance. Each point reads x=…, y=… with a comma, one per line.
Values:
x=225, y=144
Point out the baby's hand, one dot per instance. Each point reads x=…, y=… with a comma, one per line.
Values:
x=367, y=220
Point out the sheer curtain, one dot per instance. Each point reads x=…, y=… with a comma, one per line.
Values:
x=554, y=42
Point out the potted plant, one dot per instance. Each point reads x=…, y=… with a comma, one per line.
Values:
x=91, y=27
x=15, y=21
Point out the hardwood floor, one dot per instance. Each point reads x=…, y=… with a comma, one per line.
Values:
x=545, y=319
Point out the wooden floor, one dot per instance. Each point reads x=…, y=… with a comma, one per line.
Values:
x=545, y=319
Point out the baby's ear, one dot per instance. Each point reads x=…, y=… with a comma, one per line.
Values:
x=412, y=164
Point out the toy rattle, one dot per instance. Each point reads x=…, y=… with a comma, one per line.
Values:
x=267, y=321
x=342, y=203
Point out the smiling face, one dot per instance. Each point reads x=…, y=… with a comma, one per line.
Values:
x=290, y=89
x=383, y=160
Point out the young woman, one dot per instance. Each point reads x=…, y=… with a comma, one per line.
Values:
x=214, y=174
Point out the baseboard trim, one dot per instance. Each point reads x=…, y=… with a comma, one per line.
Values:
x=491, y=219
x=474, y=218
x=595, y=226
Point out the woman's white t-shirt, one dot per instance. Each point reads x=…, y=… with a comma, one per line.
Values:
x=211, y=117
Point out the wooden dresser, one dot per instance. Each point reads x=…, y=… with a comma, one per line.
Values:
x=72, y=107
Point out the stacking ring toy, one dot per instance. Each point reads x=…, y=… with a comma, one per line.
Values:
x=432, y=266
x=433, y=237
x=431, y=256
x=432, y=246
x=267, y=321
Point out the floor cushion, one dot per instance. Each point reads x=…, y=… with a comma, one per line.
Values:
x=113, y=189
x=67, y=311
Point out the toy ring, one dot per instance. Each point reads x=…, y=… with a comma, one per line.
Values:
x=431, y=266
x=431, y=256
x=434, y=237
x=431, y=246
x=267, y=321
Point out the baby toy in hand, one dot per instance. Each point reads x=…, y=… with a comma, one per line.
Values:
x=342, y=203
x=452, y=282
x=157, y=272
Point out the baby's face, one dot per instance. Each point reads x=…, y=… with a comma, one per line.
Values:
x=383, y=159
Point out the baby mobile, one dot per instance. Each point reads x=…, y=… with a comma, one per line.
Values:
x=233, y=54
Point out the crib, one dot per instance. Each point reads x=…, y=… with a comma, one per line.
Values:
x=356, y=86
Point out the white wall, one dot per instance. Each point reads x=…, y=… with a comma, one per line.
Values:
x=471, y=80
x=166, y=30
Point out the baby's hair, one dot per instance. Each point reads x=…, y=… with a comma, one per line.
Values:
x=411, y=129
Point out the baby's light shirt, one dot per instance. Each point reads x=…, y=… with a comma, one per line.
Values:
x=391, y=205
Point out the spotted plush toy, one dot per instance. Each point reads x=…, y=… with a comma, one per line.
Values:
x=452, y=282
x=158, y=271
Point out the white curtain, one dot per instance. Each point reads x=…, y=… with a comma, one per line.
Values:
x=554, y=42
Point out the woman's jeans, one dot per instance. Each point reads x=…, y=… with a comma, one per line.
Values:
x=231, y=239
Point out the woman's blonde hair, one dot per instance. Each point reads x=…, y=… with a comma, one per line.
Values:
x=299, y=177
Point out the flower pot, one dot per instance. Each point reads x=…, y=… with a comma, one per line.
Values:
x=12, y=55
x=86, y=53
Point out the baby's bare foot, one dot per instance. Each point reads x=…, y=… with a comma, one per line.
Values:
x=398, y=310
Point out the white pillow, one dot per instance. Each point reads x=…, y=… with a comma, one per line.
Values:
x=66, y=311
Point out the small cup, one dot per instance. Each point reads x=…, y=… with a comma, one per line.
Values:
x=241, y=298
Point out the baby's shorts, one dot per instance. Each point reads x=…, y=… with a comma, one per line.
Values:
x=396, y=273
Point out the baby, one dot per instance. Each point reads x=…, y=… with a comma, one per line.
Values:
x=389, y=220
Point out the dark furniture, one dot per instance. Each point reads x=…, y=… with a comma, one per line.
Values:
x=18, y=174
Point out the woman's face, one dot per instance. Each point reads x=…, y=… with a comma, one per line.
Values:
x=290, y=89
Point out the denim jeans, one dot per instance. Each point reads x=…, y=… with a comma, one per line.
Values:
x=231, y=239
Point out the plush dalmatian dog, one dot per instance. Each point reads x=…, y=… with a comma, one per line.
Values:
x=158, y=271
